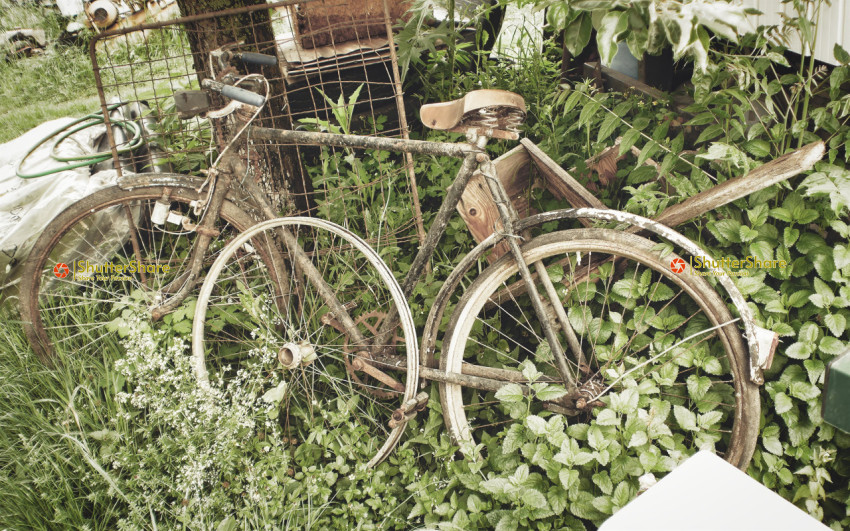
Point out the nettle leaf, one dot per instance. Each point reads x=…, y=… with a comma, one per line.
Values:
x=686, y=419
x=603, y=481
x=536, y=424
x=622, y=494
x=474, y=504
x=803, y=390
x=496, y=485
x=551, y=392
x=543, y=353
x=841, y=255
x=770, y=440
x=800, y=350
x=706, y=420
x=603, y=504
x=514, y=438
x=534, y=498
x=836, y=323
x=275, y=395
x=789, y=236
x=782, y=403
x=639, y=438
x=815, y=369
x=830, y=345
x=568, y=477
x=698, y=386
x=510, y=393
x=608, y=417
x=596, y=439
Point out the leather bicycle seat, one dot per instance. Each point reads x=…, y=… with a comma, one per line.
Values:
x=494, y=113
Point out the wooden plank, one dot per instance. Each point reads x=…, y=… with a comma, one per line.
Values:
x=558, y=181
x=476, y=205
x=765, y=175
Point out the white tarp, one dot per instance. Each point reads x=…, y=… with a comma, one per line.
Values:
x=28, y=205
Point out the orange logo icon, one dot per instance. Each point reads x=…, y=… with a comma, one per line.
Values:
x=677, y=265
x=61, y=270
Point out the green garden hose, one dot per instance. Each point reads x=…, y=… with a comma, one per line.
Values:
x=82, y=160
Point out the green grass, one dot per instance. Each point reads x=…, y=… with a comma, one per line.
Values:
x=55, y=84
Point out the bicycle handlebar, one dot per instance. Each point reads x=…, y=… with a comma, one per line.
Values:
x=259, y=59
x=235, y=93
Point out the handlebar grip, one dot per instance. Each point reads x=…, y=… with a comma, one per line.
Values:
x=260, y=59
x=245, y=96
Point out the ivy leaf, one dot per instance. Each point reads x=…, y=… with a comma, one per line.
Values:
x=510, y=393
x=686, y=419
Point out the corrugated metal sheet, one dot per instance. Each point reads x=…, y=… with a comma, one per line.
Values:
x=833, y=25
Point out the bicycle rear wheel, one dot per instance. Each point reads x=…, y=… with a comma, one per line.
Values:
x=103, y=255
x=255, y=338
x=662, y=357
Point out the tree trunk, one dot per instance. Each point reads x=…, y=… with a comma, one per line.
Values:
x=277, y=167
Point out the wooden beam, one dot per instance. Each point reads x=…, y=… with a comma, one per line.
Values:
x=768, y=174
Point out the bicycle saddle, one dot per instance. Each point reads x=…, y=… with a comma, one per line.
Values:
x=493, y=113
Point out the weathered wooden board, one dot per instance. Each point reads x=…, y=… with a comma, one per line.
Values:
x=558, y=181
x=765, y=175
x=476, y=205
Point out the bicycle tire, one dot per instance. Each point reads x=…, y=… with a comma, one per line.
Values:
x=79, y=232
x=245, y=339
x=742, y=423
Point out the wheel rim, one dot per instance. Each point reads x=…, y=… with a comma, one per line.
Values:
x=243, y=321
x=110, y=227
x=467, y=327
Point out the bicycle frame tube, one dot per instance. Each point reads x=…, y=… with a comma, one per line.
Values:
x=423, y=147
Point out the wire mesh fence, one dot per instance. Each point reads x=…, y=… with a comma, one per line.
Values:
x=336, y=72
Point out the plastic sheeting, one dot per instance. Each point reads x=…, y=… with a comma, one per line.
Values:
x=28, y=205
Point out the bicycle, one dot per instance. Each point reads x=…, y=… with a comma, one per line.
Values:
x=339, y=334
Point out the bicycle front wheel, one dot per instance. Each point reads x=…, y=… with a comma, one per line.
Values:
x=661, y=362
x=106, y=254
x=255, y=338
